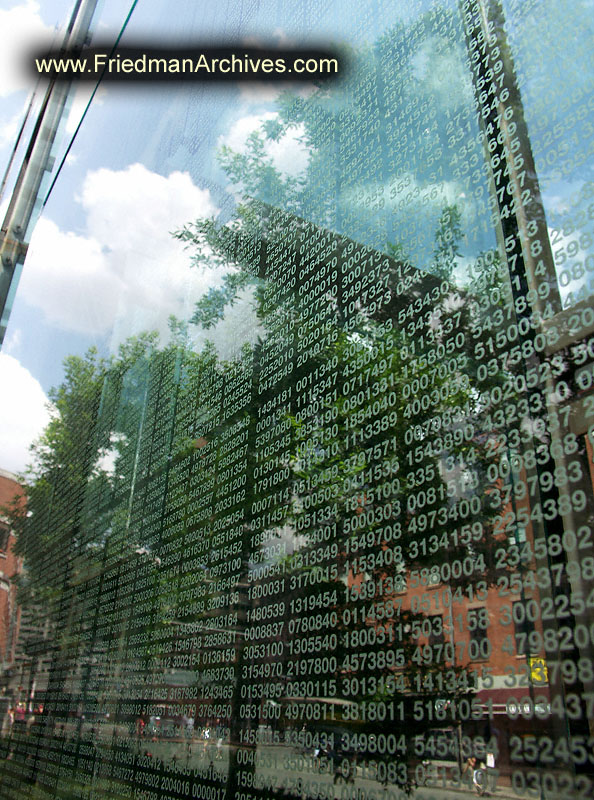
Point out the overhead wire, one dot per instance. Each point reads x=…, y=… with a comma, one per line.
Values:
x=88, y=105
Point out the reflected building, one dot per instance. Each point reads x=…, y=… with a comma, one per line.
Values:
x=11, y=567
x=25, y=641
x=328, y=531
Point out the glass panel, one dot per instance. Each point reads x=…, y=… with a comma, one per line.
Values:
x=314, y=517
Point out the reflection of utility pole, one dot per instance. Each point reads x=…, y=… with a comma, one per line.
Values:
x=519, y=540
x=36, y=163
x=520, y=222
x=519, y=216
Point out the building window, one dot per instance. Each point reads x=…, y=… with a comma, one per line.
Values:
x=4, y=536
x=437, y=633
x=478, y=623
x=523, y=628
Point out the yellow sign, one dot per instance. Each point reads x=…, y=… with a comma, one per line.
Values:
x=538, y=670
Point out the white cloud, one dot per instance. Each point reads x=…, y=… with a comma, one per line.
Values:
x=67, y=276
x=107, y=456
x=21, y=28
x=236, y=139
x=125, y=270
x=12, y=340
x=441, y=72
x=240, y=326
x=288, y=154
x=23, y=413
x=557, y=195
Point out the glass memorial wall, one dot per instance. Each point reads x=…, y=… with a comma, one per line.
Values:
x=314, y=516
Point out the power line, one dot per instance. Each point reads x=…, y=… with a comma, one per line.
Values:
x=84, y=114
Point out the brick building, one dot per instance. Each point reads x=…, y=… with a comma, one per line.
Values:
x=10, y=567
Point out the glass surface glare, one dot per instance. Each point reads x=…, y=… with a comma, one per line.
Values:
x=314, y=518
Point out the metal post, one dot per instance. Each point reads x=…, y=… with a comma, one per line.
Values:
x=36, y=162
